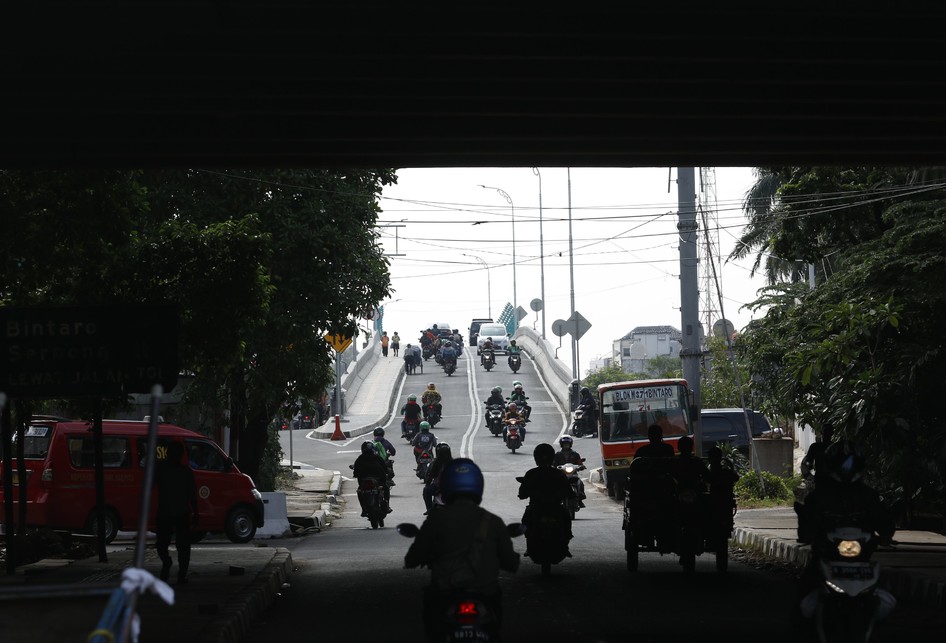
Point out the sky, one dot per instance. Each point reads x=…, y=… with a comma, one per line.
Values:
x=606, y=237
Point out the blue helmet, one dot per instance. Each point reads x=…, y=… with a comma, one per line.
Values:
x=461, y=477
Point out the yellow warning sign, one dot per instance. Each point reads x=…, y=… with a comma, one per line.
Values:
x=338, y=342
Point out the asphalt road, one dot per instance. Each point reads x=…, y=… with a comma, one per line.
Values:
x=350, y=583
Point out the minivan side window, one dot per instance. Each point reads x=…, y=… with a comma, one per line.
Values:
x=115, y=452
x=204, y=456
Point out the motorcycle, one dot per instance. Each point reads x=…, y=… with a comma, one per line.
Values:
x=466, y=616
x=494, y=418
x=578, y=422
x=515, y=362
x=571, y=472
x=489, y=360
x=410, y=429
x=372, y=494
x=513, y=437
x=847, y=604
x=450, y=366
x=432, y=416
x=424, y=459
x=428, y=351
x=547, y=535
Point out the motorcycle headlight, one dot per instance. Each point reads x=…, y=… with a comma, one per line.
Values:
x=849, y=548
x=570, y=469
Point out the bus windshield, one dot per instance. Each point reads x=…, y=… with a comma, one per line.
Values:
x=627, y=411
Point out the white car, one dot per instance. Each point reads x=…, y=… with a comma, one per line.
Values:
x=498, y=333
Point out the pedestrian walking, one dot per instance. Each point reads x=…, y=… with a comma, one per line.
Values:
x=384, y=343
x=395, y=343
x=177, y=511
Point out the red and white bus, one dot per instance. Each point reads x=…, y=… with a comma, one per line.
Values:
x=626, y=410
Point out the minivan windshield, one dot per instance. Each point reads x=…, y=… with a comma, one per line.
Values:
x=492, y=330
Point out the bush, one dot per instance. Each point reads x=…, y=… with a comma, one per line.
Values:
x=771, y=487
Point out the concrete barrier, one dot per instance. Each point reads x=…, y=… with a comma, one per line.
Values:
x=275, y=516
x=551, y=368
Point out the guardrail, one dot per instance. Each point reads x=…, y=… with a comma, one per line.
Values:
x=542, y=353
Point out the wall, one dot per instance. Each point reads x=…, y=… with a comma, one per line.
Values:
x=557, y=375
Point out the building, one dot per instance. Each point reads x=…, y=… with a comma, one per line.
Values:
x=644, y=343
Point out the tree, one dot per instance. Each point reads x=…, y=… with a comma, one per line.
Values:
x=610, y=373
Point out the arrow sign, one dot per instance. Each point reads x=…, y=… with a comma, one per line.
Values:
x=338, y=342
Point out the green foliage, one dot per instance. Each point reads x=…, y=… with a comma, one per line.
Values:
x=664, y=367
x=756, y=486
x=720, y=385
x=609, y=373
x=269, y=469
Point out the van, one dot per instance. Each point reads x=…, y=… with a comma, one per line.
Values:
x=59, y=459
x=729, y=427
x=475, y=328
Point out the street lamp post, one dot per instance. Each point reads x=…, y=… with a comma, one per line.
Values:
x=515, y=301
x=489, y=298
x=535, y=171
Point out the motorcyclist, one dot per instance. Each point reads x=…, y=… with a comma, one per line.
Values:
x=487, y=346
x=512, y=413
x=587, y=403
x=424, y=440
x=411, y=411
x=450, y=536
x=442, y=457
x=567, y=455
x=386, y=450
x=495, y=398
x=448, y=353
x=369, y=465
x=431, y=397
x=547, y=489
x=840, y=495
x=513, y=349
x=518, y=396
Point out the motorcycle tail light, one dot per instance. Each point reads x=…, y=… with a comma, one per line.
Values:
x=467, y=613
x=849, y=548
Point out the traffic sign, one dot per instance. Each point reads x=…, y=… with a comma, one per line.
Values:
x=536, y=304
x=338, y=342
x=578, y=325
x=521, y=313
x=558, y=328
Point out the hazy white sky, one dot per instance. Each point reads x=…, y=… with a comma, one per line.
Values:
x=440, y=228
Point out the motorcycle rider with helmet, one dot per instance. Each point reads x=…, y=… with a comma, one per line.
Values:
x=448, y=353
x=512, y=413
x=445, y=540
x=487, y=346
x=389, y=451
x=369, y=465
x=431, y=396
x=424, y=440
x=513, y=349
x=518, y=396
x=411, y=411
x=442, y=457
x=547, y=488
x=840, y=493
x=495, y=397
x=566, y=455
x=586, y=402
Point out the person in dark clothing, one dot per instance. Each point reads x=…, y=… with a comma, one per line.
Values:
x=690, y=472
x=495, y=398
x=567, y=455
x=657, y=448
x=177, y=511
x=464, y=546
x=546, y=488
x=369, y=465
x=587, y=403
x=432, y=480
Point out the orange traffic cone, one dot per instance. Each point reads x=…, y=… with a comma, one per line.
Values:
x=338, y=435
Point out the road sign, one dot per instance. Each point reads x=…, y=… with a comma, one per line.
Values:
x=521, y=313
x=536, y=304
x=338, y=342
x=578, y=325
x=558, y=328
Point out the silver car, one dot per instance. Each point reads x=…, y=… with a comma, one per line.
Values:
x=498, y=334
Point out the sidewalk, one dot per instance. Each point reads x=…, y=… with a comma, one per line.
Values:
x=231, y=585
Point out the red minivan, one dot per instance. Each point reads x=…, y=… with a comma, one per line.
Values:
x=59, y=459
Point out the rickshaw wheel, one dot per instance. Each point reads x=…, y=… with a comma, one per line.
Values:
x=722, y=560
x=630, y=544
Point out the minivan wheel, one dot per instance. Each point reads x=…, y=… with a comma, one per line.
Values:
x=112, y=524
x=241, y=525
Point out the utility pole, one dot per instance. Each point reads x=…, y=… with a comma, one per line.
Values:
x=692, y=351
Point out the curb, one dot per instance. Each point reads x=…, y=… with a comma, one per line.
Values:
x=246, y=607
